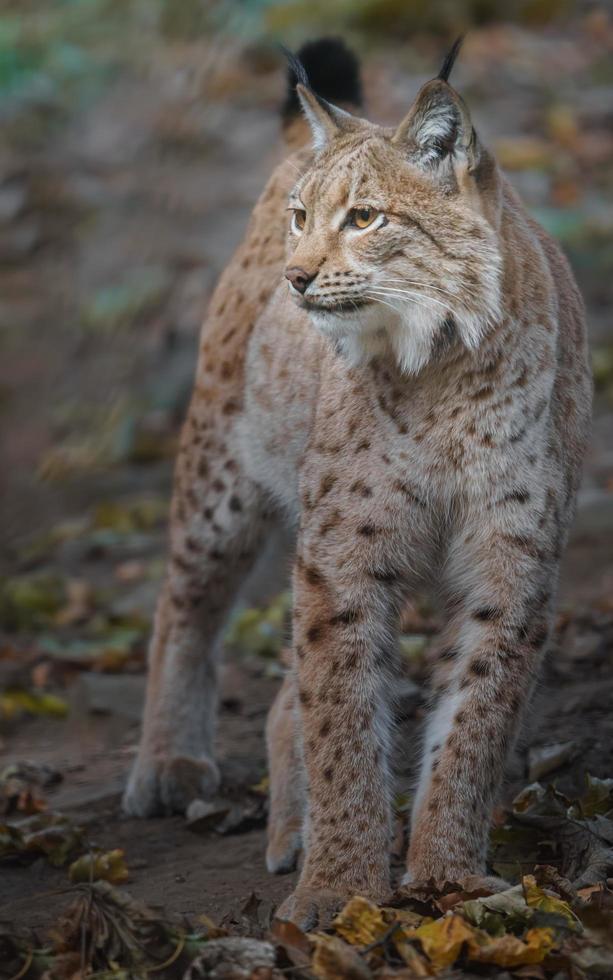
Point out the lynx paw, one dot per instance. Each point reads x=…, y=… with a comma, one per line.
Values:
x=168, y=785
x=310, y=908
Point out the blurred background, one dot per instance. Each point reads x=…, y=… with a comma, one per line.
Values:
x=135, y=137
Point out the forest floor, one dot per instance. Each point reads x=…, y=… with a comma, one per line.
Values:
x=120, y=204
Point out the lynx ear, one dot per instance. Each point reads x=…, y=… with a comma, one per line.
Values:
x=438, y=125
x=326, y=120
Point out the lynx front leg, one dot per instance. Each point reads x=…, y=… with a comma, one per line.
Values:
x=343, y=614
x=506, y=582
x=216, y=524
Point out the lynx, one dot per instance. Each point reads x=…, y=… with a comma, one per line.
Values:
x=394, y=363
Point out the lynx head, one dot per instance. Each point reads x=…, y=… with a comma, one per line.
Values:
x=393, y=233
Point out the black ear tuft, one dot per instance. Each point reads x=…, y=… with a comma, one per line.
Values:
x=326, y=66
x=450, y=58
x=296, y=72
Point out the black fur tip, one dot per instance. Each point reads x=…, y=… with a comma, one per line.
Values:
x=329, y=68
x=450, y=58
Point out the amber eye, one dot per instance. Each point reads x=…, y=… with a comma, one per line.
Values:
x=298, y=219
x=363, y=217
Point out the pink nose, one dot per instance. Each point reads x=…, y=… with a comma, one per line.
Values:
x=299, y=278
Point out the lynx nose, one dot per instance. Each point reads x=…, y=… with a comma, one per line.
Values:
x=299, y=278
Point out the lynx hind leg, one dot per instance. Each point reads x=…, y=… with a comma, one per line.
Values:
x=287, y=781
x=217, y=522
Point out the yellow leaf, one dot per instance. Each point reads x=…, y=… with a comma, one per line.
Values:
x=12, y=703
x=509, y=951
x=536, y=898
x=108, y=866
x=333, y=959
x=360, y=922
x=442, y=940
x=263, y=787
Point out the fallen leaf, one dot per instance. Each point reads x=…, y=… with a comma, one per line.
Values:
x=30, y=601
x=509, y=951
x=360, y=922
x=443, y=939
x=49, y=834
x=100, y=866
x=333, y=959
x=597, y=800
x=262, y=788
x=538, y=899
x=294, y=941
x=16, y=702
x=211, y=929
x=108, y=928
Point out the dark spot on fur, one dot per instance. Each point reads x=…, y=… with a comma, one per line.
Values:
x=519, y=496
x=482, y=393
x=480, y=667
x=346, y=617
x=326, y=484
x=312, y=576
x=409, y=493
x=360, y=487
x=314, y=633
x=367, y=530
x=488, y=614
x=449, y=653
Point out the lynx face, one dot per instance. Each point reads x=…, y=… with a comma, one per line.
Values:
x=385, y=248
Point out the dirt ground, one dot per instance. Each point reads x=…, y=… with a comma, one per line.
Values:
x=120, y=205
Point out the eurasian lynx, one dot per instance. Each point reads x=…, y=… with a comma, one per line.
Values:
x=397, y=367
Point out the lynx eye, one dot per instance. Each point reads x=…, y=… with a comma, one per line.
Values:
x=363, y=217
x=298, y=219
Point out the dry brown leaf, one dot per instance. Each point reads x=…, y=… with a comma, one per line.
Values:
x=333, y=959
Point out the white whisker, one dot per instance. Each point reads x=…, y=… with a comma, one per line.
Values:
x=420, y=299
x=413, y=295
x=414, y=282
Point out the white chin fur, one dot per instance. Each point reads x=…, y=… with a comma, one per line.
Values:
x=407, y=333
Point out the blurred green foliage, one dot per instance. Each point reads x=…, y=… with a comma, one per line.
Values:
x=68, y=45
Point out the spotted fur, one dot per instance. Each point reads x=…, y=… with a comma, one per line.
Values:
x=418, y=412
